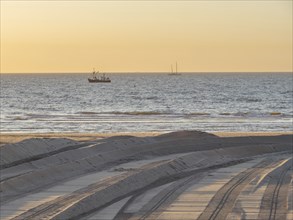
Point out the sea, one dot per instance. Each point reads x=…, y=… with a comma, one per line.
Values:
x=147, y=102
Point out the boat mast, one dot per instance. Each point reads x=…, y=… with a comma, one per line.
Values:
x=176, y=67
x=171, y=68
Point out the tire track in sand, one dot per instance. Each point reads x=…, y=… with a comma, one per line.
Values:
x=222, y=202
x=274, y=202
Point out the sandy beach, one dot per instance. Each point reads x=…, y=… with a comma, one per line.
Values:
x=178, y=175
x=146, y=110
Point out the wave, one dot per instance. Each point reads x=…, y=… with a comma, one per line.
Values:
x=141, y=113
x=248, y=100
x=287, y=92
x=152, y=97
x=87, y=113
x=145, y=98
x=39, y=116
x=225, y=113
x=238, y=114
x=254, y=114
x=198, y=114
x=20, y=118
x=243, y=114
x=109, y=114
x=124, y=113
x=275, y=113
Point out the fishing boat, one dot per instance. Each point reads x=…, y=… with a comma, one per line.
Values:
x=96, y=79
x=174, y=73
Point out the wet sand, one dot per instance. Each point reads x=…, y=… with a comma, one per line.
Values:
x=179, y=175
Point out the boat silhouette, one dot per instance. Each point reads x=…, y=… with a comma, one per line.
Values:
x=96, y=79
x=174, y=73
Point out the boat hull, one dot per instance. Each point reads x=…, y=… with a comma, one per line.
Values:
x=174, y=74
x=98, y=81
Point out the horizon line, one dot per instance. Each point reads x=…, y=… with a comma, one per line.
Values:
x=148, y=72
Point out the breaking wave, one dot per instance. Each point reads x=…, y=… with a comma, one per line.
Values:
x=20, y=118
x=124, y=113
x=87, y=113
x=275, y=113
x=198, y=114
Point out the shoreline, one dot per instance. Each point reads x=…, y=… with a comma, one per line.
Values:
x=7, y=138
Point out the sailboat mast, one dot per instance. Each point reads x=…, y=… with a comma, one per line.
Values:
x=176, y=67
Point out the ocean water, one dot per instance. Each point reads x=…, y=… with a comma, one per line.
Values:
x=147, y=102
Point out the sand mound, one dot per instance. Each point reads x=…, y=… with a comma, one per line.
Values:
x=38, y=164
x=73, y=161
x=89, y=198
x=12, y=154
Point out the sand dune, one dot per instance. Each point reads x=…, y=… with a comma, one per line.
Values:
x=106, y=178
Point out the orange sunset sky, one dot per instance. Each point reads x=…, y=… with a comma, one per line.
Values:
x=121, y=36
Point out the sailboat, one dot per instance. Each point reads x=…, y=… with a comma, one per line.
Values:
x=174, y=73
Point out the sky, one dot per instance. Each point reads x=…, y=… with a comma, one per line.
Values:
x=146, y=36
